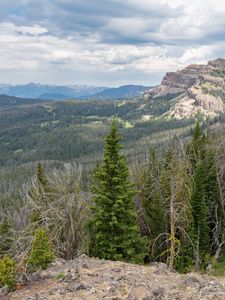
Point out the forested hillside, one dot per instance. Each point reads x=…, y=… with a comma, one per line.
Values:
x=115, y=179
x=59, y=132
x=167, y=208
x=32, y=131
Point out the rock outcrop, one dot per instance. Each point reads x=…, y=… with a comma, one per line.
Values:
x=91, y=279
x=196, y=89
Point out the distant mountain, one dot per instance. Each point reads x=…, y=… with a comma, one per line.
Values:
x=63, y=92
x=51, y=92
x=55, y=96
x=125, y=91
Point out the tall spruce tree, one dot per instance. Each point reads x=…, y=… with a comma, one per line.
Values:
x=196, y=148
x=207, y=208
x=115, y=233
x=214, y=201
x=200, y=212
x=154, y=207
x=166, y=204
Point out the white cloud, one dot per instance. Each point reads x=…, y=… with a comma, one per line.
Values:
x=145, y=38
x=199, y=54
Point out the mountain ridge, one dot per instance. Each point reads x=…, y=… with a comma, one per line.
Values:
x=198, y=89
x=36, y=90
x=124, y=91
x=67, y=92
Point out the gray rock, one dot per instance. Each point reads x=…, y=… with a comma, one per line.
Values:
x=161, y=268
x=191, y=281
x=63, y=291
x=3, y=291
x=77, y=287
x=141, y=292
x=158, y=293
x=212, y=290
x=58, y=262
x=53, y=291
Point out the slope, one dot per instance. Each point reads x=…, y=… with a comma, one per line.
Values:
x=87, y=278
x=195, y=90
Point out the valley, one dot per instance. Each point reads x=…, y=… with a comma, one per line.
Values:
x=49, y=151
x=112, y=150
x=56, y=132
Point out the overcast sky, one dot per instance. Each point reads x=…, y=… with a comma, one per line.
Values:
x=106, y=42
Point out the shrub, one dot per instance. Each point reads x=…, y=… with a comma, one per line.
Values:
x=7, y=272
x=217, y=268
x=41, y=254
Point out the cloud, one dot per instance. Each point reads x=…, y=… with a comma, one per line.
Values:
x=106, y=42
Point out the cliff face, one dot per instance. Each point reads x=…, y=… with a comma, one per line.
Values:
x=87, y=278
x=201, y=89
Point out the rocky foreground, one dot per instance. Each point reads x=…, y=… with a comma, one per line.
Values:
x=86, y=278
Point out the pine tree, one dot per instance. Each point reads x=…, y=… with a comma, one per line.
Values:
x=195, y=149
x=151, y=202
x=41, y=254
x=154, y=206
x=207, y=207
x=167, y=208
x=114, y=230
x=200, y=212
x=213, y=196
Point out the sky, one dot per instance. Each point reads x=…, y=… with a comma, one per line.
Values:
x=106, y=42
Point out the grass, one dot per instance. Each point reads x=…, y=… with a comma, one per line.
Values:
x=60, y=276
x=218, y=269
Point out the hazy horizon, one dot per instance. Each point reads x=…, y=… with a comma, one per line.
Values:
x=71, y=84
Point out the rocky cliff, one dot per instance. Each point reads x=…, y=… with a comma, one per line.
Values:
x=91, y=279
x=196, y=89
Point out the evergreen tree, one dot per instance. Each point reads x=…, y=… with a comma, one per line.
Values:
x=207, y=207
x=41, y=254
x=214, y=201
x=44, y=186
x=200, y=212
x=167, y=208
x=114, y=229
x=42, y=180
x=196, y=148
x=155, y=204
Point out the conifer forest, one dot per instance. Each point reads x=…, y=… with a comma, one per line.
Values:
x=167, y=207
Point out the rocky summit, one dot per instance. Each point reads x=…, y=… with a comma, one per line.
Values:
x=86, y=278
x=197, y=89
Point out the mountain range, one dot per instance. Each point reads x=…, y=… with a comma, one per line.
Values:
x=194, y=90
x=124, y=91
x=63, y=92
